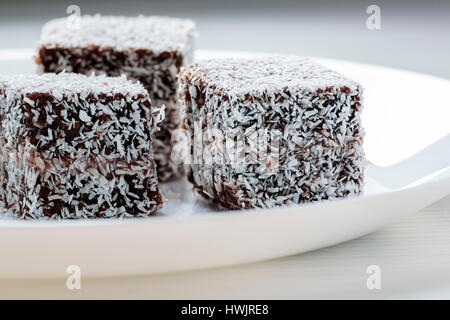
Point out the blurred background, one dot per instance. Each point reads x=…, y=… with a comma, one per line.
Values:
x=414, y=35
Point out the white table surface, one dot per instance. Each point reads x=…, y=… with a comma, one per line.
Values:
x=413, y=254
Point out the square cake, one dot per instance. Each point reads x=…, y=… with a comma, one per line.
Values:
x=148, y=49
x=303, y=118
x=75, y=146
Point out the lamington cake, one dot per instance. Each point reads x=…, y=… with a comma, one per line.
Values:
x=75, y=146
x=149, y=49
x=307, y=120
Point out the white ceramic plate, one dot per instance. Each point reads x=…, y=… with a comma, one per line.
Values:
x=404, y=113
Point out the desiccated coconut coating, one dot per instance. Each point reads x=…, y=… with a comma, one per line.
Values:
x=148, y=49
x=74, y=146
x=315, y=111
x=166, y=168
